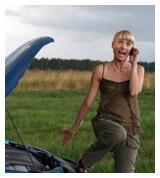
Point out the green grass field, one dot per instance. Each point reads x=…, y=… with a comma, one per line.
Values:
x=39, y=116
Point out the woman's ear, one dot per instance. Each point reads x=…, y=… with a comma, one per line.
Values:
x=112, y=44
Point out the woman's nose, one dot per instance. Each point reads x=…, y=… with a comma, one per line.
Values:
x=124, y=46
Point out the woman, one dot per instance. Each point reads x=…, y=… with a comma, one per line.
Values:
x=117, y=123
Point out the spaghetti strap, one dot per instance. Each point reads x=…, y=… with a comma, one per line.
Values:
x=103, y=71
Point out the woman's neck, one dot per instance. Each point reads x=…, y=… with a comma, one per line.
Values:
x=119, y=65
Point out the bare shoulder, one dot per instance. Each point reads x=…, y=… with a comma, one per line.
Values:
x=140, y=68
x=98, y=70
x=140, y=71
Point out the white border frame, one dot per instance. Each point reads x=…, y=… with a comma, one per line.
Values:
x=80, y=2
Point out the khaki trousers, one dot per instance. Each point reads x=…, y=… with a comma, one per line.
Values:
x=112, y=137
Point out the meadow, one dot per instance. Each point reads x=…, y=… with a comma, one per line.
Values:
x=40, y=114
x=65, y=80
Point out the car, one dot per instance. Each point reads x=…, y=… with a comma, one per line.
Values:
x=19, y=157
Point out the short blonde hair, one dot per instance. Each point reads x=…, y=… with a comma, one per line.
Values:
x=124, y=34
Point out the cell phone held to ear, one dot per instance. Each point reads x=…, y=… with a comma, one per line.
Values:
x=131, y=52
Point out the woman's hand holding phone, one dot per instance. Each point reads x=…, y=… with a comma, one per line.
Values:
x=134, y=55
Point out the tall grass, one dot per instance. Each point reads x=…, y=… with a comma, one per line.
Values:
x=65, y=80
x=54, y=80
x=149, y=80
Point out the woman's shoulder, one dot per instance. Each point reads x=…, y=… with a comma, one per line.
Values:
x=140, y=68
x=99, y=67
x=98, y=71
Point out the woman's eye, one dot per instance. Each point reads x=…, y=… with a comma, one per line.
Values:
x=120, y=42
x=128, y=44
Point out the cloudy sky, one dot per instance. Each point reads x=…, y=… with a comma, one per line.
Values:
x=80, y=32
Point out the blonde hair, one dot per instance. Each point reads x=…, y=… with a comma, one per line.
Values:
x=124, y=34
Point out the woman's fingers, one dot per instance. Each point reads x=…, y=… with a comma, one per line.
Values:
x=64, y=130
x=65, y=141
x=68, y=136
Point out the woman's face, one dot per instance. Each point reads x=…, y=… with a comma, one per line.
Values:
x=121, y=49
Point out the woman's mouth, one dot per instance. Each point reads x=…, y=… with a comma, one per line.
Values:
x=121, y=53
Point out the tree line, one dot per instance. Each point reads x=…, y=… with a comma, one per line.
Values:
x=74, y=64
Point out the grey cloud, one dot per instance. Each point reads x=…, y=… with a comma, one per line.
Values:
x=96, y=19
x=9, y=12
x=90, y=25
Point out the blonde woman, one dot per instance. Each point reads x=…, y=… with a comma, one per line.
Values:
x=117, y=123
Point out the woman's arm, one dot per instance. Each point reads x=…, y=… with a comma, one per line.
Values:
x=92, y=93
x=86, y=105
x=137, y=75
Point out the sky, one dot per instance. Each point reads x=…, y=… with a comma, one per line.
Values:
x=80, y=31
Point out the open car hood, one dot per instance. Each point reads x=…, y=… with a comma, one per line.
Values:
x=19, y=60
x=21, y=158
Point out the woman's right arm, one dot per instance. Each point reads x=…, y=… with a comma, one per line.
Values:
x=86, y=105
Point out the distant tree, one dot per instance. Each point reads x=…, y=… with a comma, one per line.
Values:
x=149, y=67
x=75, y=64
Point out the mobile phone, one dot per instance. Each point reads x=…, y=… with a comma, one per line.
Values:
x=131, y=52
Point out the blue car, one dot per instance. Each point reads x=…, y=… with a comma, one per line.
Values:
x=21, y=158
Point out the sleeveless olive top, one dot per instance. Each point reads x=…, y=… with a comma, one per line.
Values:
x=117, y=105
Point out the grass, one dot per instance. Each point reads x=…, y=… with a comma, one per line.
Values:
x=55, y=80
x=39, y=116
x=65, y=80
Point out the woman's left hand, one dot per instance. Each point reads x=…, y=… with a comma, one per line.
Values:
x=133, y=58
x=69, y=133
